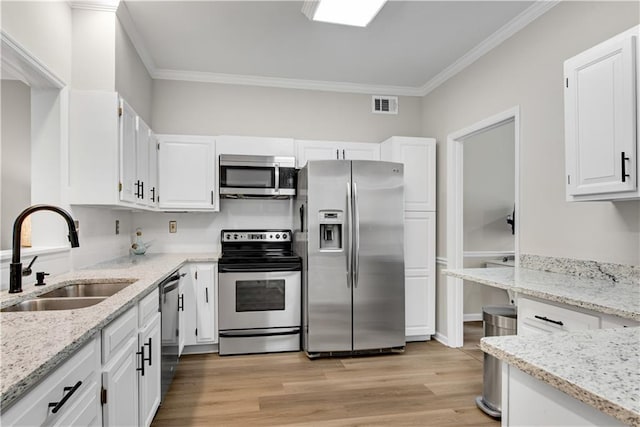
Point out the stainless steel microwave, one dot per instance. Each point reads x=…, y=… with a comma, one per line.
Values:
x=265, y=177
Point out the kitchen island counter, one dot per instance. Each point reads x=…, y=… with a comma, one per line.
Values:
x=35, y=343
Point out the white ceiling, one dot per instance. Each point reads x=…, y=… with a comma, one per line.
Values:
x=410, y=47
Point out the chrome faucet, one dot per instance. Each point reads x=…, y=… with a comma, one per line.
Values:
x=15, y=278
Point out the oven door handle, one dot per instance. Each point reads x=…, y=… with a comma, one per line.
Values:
x=253, y=334
x=255, y=269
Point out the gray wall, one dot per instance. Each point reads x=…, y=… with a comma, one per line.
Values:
x=526, y=70
x=216, y=109
x=16, y=155
x=132, y=79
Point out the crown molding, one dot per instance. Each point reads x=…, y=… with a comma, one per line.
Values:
x=512, y=27
x=138, y=44
x=236, y=79
x=97, y=5
x=19, y=63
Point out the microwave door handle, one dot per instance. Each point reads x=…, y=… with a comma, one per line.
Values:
x=277, y=178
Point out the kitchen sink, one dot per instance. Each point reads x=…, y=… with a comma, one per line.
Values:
x=45, y=304
x=89, y=289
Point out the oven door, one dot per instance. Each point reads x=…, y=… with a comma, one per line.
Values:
x=249, y=300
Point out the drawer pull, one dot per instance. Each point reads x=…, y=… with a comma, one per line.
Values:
x=57, y=405
x=555, y=322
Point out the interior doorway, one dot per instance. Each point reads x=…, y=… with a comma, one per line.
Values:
x=506, y=121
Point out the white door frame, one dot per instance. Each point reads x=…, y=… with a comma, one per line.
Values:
x=455, y=206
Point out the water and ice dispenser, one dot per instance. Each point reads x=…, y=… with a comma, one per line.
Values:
x=331, y=227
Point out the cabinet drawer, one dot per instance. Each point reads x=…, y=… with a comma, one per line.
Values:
x=147, y=307
x=540, y=317
x=79, y=372
x=609, y=321
x=116, y=333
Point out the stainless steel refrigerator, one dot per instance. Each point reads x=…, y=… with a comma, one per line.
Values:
x=350, y=235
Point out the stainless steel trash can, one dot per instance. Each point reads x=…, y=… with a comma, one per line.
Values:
x=498, y=320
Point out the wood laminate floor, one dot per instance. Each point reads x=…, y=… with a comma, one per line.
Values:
x=428, y=385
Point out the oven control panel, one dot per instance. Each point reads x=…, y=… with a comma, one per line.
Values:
x=256, y=235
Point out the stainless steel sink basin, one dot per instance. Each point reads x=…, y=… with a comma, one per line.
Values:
x=93, y=289
x=42, y=304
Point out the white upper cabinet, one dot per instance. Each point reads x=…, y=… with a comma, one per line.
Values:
x=601, y=120
x=254, y=145
x=152, y=193
x=186, y=173
x=419, y=158
x=334, y=150
x=109, y=162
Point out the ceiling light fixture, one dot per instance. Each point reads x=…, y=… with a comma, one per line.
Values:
x=357, y=13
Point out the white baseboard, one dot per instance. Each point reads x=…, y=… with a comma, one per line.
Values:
x=472, y=317
x=443, y=339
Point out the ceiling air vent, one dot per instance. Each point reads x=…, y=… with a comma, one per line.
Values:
x=385, y=104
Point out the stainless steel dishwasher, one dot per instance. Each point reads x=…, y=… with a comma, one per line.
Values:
x=170, y=329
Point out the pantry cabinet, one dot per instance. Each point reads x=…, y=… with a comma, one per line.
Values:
x=334, y=150
x=601, y=119
x=187, y=171
x=109, y=151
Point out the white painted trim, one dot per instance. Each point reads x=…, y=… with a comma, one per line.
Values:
x=441, y=260
x=506, y=31
x=441, y=338
x=97, y=5
x=512, y=27
x=27, y=68
x=237, y=79
x=472, y=317
x=455, y=229
x=487, y=254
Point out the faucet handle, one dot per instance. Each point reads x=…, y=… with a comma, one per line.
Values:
x=40, y=278
x=27, y=271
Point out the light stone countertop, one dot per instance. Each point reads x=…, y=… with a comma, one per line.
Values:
x=603, y=296
x=598, y=367
x=34, y=343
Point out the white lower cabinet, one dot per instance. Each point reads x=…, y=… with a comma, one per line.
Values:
x=419, y=267
x=199, y=296
x=543, y=317
x=527, y=401
x=131, y=365
x=70, y=395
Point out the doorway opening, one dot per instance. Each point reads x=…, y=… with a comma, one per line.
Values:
x=488, y=236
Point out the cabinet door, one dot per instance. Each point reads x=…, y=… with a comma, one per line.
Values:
x=418, y=155
x=360, y=151
x=186, y=173
x=86, y=412
x=600, y=119
x=149, y=383
x=127, y=153
x=206, y=295
x=419, y=258
x=189, y=303
x=153, y=191
x=120, y=380
x=317, y=150
x=143, y=142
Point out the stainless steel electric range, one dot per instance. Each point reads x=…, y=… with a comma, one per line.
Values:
x=259, y=290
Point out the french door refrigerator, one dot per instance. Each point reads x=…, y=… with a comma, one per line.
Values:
x=350, y=232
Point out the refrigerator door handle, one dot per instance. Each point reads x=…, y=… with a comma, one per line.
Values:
x=349, y=257
x=356, y=243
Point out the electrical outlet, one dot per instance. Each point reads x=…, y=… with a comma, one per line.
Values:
x=117, y=227
x=173, y=226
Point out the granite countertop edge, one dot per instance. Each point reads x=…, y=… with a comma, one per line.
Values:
x=509, y=284
x=582, y=394
x=34, y=374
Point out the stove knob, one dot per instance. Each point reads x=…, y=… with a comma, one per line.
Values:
x=235, y=236
x=277, y=236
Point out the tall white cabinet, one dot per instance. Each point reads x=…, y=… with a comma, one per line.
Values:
x=601, y=120
x=418, y=155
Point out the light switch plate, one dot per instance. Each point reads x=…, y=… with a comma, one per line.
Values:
x=173, y=226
